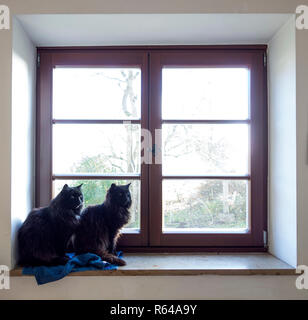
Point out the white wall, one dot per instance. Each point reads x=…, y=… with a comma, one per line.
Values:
x=157, y=29
x=23, y=128
x=302, y=144
x=157, y=287
x=5, y=145
x=282, y=144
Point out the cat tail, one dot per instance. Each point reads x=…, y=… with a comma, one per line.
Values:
x=108, y=257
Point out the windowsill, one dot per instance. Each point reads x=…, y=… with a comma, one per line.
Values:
x=192, y=264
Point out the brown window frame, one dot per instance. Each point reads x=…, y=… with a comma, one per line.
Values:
x=151, y=60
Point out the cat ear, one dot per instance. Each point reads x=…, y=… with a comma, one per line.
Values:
x=112, y=186
x=65, y=187
x=79, y=187
x=127, y=186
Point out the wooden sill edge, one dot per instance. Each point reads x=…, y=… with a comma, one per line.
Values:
x=158, y=270
x=171, y=272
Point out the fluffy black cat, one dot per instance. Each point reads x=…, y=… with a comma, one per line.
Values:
x=44, y=236
x=99, y=226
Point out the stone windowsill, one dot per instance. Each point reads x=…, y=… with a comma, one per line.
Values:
x=193, y=264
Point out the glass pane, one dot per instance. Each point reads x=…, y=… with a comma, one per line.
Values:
x=205, y=205
x=203, y=149
x=205, y=93
x=94, y=192
x=96, y=148
x=96, y=93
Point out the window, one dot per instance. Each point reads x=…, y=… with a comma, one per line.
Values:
x=186, y=126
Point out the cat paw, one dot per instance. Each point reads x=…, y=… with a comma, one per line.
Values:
x=121, y=263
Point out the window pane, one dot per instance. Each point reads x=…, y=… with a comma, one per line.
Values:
x=94, y=192
x=96, y=148
x=96, y=93
x=205, y=205
x=203, y=149
x=205, y=93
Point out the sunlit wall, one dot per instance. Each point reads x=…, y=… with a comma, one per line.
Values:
x=23, y=128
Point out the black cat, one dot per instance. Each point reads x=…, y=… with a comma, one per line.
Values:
x=100, y=225
x=44, y=236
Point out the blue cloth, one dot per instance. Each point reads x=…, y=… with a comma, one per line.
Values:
x=83, y=262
